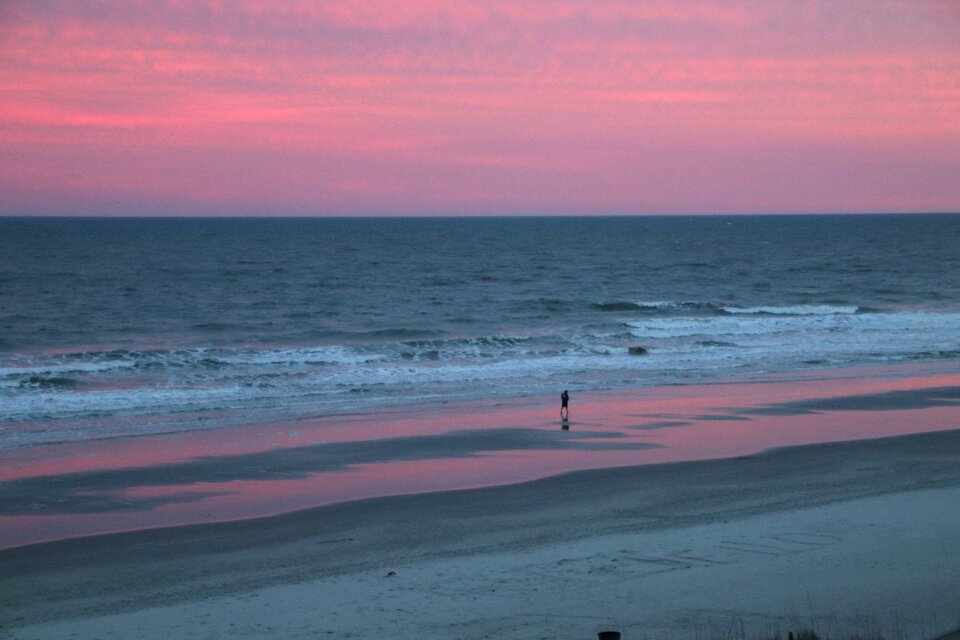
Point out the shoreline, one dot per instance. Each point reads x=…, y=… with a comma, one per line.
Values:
x=70, y=491
x=110, y=578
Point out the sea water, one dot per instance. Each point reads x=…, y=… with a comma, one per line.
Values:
x=120, y=327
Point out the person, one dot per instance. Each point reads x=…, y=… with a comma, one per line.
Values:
x=564, y=405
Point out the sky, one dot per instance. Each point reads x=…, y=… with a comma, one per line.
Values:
x=495, y=107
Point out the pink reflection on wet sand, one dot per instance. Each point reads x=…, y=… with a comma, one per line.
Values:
x=683, y=423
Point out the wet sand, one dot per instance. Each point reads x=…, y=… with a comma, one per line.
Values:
x=854, y=536
x=198, y=476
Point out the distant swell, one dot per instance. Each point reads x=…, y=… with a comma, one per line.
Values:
x=715, y=343
x=214, y=327
x=671, y=306
x=616, y=306
x=401, y=333
x=662, y=307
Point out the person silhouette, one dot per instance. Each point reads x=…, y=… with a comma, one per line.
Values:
x=564, y=405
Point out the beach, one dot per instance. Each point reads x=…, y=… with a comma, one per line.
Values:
x=281, y=428
x=851, y=537
x=476, y=320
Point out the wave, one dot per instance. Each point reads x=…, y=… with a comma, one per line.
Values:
x=496, y=347
x=250, y=383
x=942, y=354
x=669, y=307
x=795, y=310
x=118, y=361
x=231, y=363
x=714, y=343
x=214, y=327
x=557, y=305
x=680, y=307
x=479, y=341
x=868, y=327
x=49, y=382
x=616, y=306
x=46, y=367
x=700, y=308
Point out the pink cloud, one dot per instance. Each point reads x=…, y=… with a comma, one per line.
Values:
x=446, y=106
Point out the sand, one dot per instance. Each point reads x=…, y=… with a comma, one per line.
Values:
x=858, y=537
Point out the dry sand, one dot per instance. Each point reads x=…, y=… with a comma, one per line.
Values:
x=857, y=536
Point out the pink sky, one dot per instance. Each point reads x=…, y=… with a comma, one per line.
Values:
x=356, y=107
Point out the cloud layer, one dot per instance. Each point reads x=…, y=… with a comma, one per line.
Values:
x=470, y=107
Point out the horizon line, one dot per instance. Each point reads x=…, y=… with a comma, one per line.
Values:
x=382, y=216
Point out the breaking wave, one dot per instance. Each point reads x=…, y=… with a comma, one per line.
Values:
x=692, y=307
x=796, y=310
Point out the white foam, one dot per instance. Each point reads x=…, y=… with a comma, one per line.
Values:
x=796, y=310
x=714, y=327
x=303, y=356
x=677, y=305
x=773, y=337
x=48, y=368
x=254, y=381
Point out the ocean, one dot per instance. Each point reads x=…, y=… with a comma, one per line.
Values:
x=125, y=327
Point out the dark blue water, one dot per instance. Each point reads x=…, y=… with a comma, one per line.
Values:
x=117, y=326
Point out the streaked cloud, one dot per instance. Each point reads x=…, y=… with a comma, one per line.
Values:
x=457, y=106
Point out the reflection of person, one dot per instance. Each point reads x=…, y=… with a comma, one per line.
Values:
x=564, y=405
